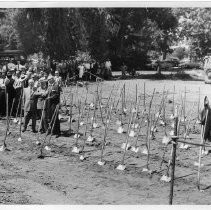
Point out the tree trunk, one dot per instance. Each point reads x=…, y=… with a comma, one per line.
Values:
x=158, y=69
x=164, y=55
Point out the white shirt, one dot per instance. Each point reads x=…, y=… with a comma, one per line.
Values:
x=17, y=82
x=2, y=83
x=87, y=65
x=58, y=80
x=108, y=64
x=81, y=71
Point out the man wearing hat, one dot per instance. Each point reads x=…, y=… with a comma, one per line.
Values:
x=52, y=102
x=18, y=87
x=35, y=78
x=42, y=93
x=30, y=106
x=41, y=74
x=58, y=79
x=10, y=89
x=2, y=94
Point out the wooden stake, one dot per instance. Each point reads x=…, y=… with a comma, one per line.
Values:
x=70, y=113
x=148, y=127
x=20, y=131
x=5, y=137
x=105, y=133
x=200, y=150
x=199, y=103
x=79, y=119
x=127, y=136
x=174, y=142
x=85, y=131
x=43, y=110
x=173, y=98
x=144, y=97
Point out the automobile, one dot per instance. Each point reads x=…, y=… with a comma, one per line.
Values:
x=168, y=64
x=207, y=69
x=187, y=64
x=175, y=61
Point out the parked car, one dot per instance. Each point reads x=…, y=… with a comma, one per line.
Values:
x=207, y=69
x=168, y=64
x=190, y=65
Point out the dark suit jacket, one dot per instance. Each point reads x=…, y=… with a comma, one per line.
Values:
x=207, y=128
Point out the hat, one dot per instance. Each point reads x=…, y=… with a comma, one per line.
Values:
x=22, y=76
x=31, y=81
x=50, y=77
x=43, y=81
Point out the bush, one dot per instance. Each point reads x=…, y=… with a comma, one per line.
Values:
x=179, y=52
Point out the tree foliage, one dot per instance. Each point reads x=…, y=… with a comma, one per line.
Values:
x=124, y=33
x=195, y=25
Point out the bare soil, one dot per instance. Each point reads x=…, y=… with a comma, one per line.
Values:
x=62, y=178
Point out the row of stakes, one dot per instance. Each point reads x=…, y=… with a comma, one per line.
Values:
x=109, y=109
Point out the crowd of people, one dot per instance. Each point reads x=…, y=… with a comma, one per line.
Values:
x=34, y=92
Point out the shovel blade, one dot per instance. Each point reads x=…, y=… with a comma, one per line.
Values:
x=125, y=146
x=165, y=178
x=121, y=167
x=76, y=150
x=135, y=149
x=82, y=157
x=2, y=148
x=147, y=170
x=101, y=163
x=47, y=148
x=90, y=139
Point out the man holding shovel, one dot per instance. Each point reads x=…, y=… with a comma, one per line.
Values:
x=51, y=103
x=41, y=94
x=30, y=106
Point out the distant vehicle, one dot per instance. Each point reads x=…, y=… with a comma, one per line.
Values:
x=14, y=55
x=207, y=69
x=186, y=64
x=168, y=64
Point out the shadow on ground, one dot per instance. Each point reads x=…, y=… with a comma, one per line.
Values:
x=178, y=76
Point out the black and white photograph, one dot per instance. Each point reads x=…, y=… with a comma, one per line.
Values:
x=105, y=103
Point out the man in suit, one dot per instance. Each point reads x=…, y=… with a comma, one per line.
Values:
x=41, y=94
x=30, y=105
x=9, y=82
x=2, y=94
x=18, y=88
x=52, y=102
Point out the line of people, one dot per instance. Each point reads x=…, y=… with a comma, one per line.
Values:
x=36, y=94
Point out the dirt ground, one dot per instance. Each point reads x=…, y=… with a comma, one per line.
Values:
x=62, y=178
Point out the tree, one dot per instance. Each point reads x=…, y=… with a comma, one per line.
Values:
x=124, y=33
x=195, y=25
x=166, y=25
x=54, y=31
x=8, y=34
